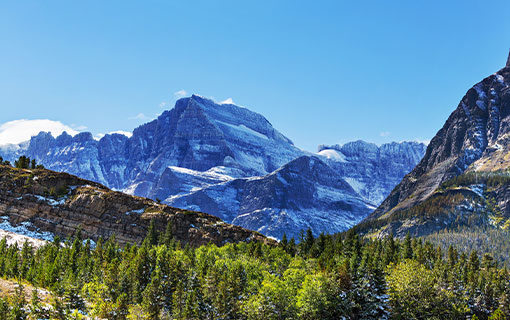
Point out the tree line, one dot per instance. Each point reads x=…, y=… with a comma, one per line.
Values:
x=23, y=162
x=324, y=277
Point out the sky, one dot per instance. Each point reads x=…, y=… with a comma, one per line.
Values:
x=322, y=72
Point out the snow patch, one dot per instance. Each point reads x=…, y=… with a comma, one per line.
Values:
x=478, y=189
x=216, y=173
x=332, y=154
x=50, y=201
x=482, y=97
x=24, y=232
x=355, y=184
x=138, y=212
x=244, y=129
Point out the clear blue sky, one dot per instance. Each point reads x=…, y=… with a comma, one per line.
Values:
x=320, y=71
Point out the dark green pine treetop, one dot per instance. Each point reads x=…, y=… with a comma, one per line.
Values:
x=408, y=249
x=167, y=237
x=152, y=235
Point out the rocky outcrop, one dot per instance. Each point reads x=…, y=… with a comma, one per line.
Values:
x=61, y=204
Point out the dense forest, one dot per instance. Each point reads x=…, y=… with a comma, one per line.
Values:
x=328, y=277
x=483, y=239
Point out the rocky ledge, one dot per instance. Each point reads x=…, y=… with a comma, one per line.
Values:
x=61, y=204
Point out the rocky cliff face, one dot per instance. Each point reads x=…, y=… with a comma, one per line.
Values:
x=215, y=157
x=371, y=170
x=475, y=139
x=46, y=203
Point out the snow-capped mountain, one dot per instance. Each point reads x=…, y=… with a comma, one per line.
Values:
x=304, y=193
x=197, y=134
x=229, y=161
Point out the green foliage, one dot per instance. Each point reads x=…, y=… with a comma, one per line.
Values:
x=328, y=277
x=497, y=315
x=416, y=293
x=317, y=299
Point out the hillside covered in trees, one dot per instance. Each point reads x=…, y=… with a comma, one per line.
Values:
x=343, y=277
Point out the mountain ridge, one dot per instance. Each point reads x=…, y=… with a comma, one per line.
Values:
x=200, y=147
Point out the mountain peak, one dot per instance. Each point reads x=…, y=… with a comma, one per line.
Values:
x=508, y=60
x=473, y=142
x=204, y=101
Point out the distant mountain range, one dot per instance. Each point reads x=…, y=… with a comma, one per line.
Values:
x=228, y=161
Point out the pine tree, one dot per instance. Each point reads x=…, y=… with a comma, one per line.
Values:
x=291, y=247
x=474, y=262
x=308, y=241
x=152, y=235
x=488, y=261
x=408, y=250
x=369, y=297
x=152, y=302
x=452, y=256
x=167, y=237
x=36, y=308
x=71, y=296
x=179, y=301
x=59, y=310
x=22, y=163
x=389, y=250
x=284, y=242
